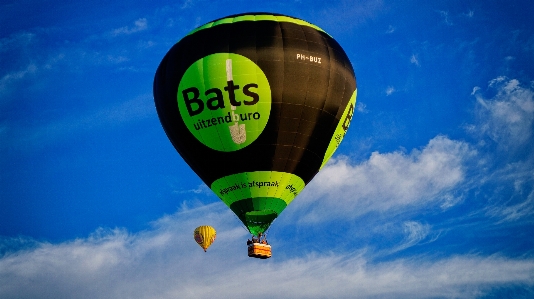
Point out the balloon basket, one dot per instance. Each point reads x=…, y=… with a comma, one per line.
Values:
x=258, y=250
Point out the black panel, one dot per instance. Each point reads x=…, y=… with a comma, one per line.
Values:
x=292, y=112
x=306, y=128
x=310, y=114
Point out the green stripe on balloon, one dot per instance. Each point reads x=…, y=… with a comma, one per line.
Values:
x=235, y=187
x=259, y=17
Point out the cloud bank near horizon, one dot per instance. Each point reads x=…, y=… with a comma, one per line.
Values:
x=164, y=262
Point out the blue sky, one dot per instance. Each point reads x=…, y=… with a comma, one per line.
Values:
x=430, y=195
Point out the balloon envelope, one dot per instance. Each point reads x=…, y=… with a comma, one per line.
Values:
x=256, y=104
x=204, y=236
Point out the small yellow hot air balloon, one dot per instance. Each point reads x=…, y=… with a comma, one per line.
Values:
x=204, y=236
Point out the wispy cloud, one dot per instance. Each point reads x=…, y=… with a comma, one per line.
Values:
x=508, y=117
x=165, y=262
x=415, y=233
x=445, y=17
x=361, y=107
x=201, y=189
x=35, y=59
x=16, y=41
x=131, y=110
x=513, y=200
x=139, y=25
x=13, y=46
x=519, y=210
x=187, y=4
x=10, y=78
x=414, y=60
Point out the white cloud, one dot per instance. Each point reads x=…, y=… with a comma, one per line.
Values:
x=117, y=59
x=9, y=78
x=508, y=117
x=361, y=107
x=387, y=181
x=505, y=121
x=16, y=41
x=445, y=16
x=187, y=4
x=414, y=60
x=15, y=45
x=519, y=210
x=165, y=262
x=516, y=203
x=390, y=90
x=201, y=189
x=139, y=25
x=415, y=233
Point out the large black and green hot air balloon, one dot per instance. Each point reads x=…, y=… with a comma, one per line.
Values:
x=256, y=104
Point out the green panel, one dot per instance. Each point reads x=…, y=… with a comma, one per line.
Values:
x=224, y=100
x=231, y=188
x=341, y=128
x=258, y=222
x=222, y=21
x=257, y=214
x=266, y=18
x=244, y=18
x=257, y=198
x=258, y=206
x=258, y=17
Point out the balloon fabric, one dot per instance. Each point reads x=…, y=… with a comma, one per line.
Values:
x=204, y=235
x=256, y=104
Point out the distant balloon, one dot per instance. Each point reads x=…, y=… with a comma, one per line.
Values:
x=256, y=104
x=204, y=236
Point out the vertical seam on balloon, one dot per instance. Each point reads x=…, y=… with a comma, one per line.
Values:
x=268, y=193
x=294, y=131
x=256, y=107
x=218, y=130
x=229, y=40
x=305, y=97
x=342, y=107
x=331, y=77
x=329, y=71
x=233, y=197
x=243, y=197
x=203, y=87
x=334, y=123
x=279, y=116
x=209, y=110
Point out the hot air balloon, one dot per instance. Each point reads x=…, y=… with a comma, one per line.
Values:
x=204, y=236
x=256, y=104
